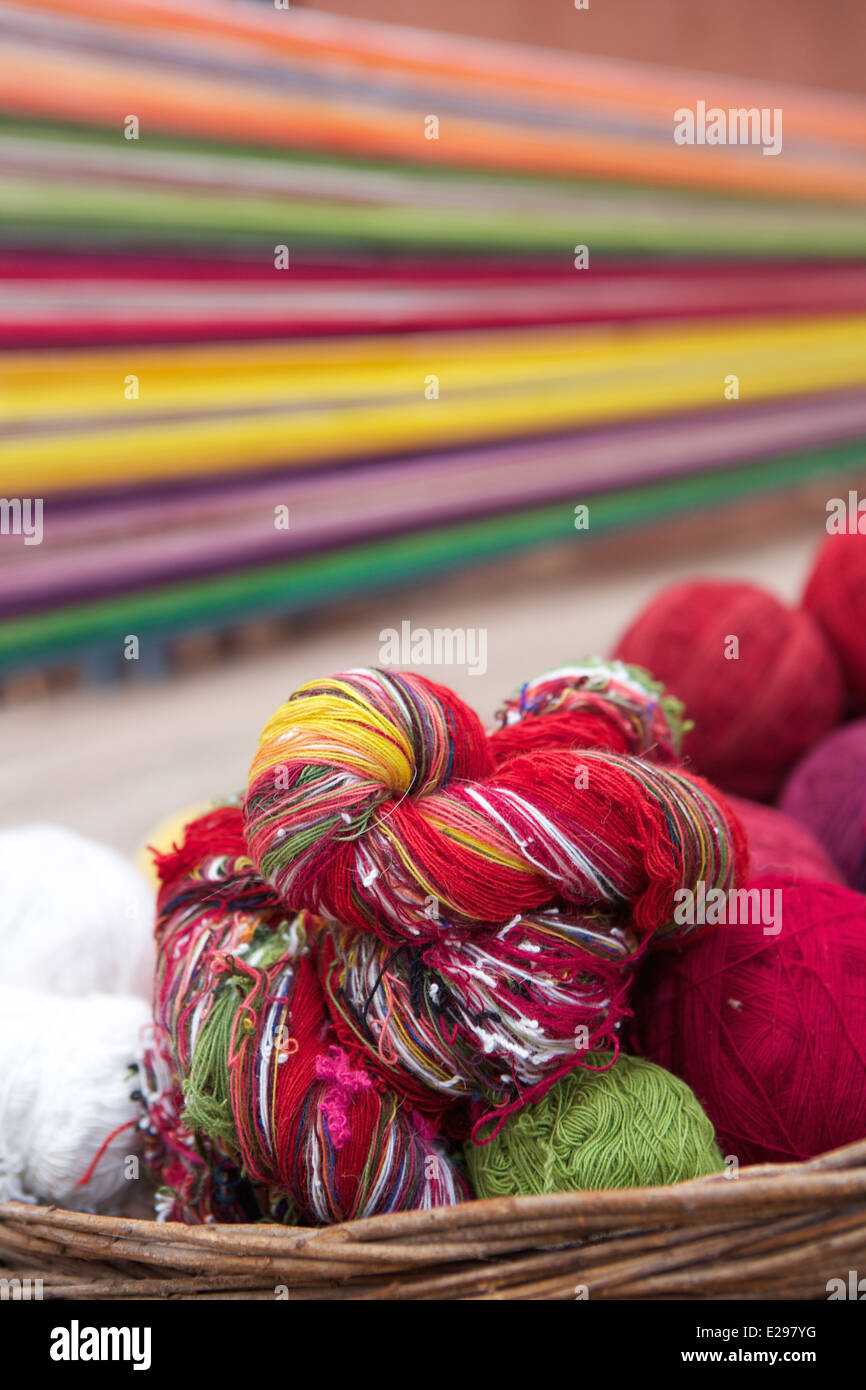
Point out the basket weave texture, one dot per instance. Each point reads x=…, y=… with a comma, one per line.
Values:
x=778, y=1231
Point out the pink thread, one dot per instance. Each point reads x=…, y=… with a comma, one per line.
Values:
x=345, y=1084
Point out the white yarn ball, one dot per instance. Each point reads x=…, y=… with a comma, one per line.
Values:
x=74, y=915
x=65, y=1085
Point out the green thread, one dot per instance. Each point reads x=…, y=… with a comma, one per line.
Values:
x=207, y=1088
x=633, y=1125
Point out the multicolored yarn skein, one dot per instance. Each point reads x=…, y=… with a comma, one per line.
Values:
x=593, y=704
x=618, y=1122
x=253, y=1107
x=768, y=1029
x=759, y=680
x=375, y=802
x=826, y=794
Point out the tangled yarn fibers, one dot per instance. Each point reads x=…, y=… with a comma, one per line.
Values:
x=759, y=680
x=487, y=1017
x=769, y=1030
x=163, y=836
x=68, y=1070
x=826, y=793
x=75, y=917
x=835, y=595
x=630, y=1124
x=254, y=1109
x=593, y=704
x=780, y=845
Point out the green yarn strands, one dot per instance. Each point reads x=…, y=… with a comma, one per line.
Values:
x=634, y=1125
x=206, y=1089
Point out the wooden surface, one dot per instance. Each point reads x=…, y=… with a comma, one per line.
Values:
x=113, y=761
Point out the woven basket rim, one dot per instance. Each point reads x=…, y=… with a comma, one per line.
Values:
x=773, y=1231
x=832, y=1176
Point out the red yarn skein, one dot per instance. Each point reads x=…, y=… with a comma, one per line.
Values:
x=835, y=596
x=769, y=1031
x=779, y=845
x=754, y=714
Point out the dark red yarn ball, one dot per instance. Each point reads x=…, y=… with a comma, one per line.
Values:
x=835, y=595
x=769, y=1031
x=756, y=714
x=826, y=793
x=780, y=845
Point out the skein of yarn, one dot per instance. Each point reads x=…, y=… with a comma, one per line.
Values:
x=835, y=595
x=768, y=1027
x=507, y=904
x=253, y=1107
x=373, y=801
x=75, y=917
x=66, y=1082
x=779, y=844
x=626, y=1124
x=826, y=793
x=759, y=680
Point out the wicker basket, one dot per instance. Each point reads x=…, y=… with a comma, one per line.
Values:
x=774, y=1232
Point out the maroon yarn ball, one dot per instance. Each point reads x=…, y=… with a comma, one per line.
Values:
x=780, y=845
x=754, y=713
x=835, y=595
x=769, y=1031
x=826, y=792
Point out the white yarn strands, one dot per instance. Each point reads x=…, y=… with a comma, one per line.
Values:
x=65, y=1086
x=75, y=916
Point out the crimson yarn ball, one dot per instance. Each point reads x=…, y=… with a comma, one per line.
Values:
x=753, y=714
x=835, y=595
x=826, y=793
x=780, y=845
x=769, y=1031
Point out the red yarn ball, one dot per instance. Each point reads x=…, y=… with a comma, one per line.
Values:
x=756, y=713
x=826, y=793
x=835, y=595
x=769, y=1031
x=779, y=845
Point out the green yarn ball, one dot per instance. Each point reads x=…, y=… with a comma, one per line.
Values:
x=634, y=1125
